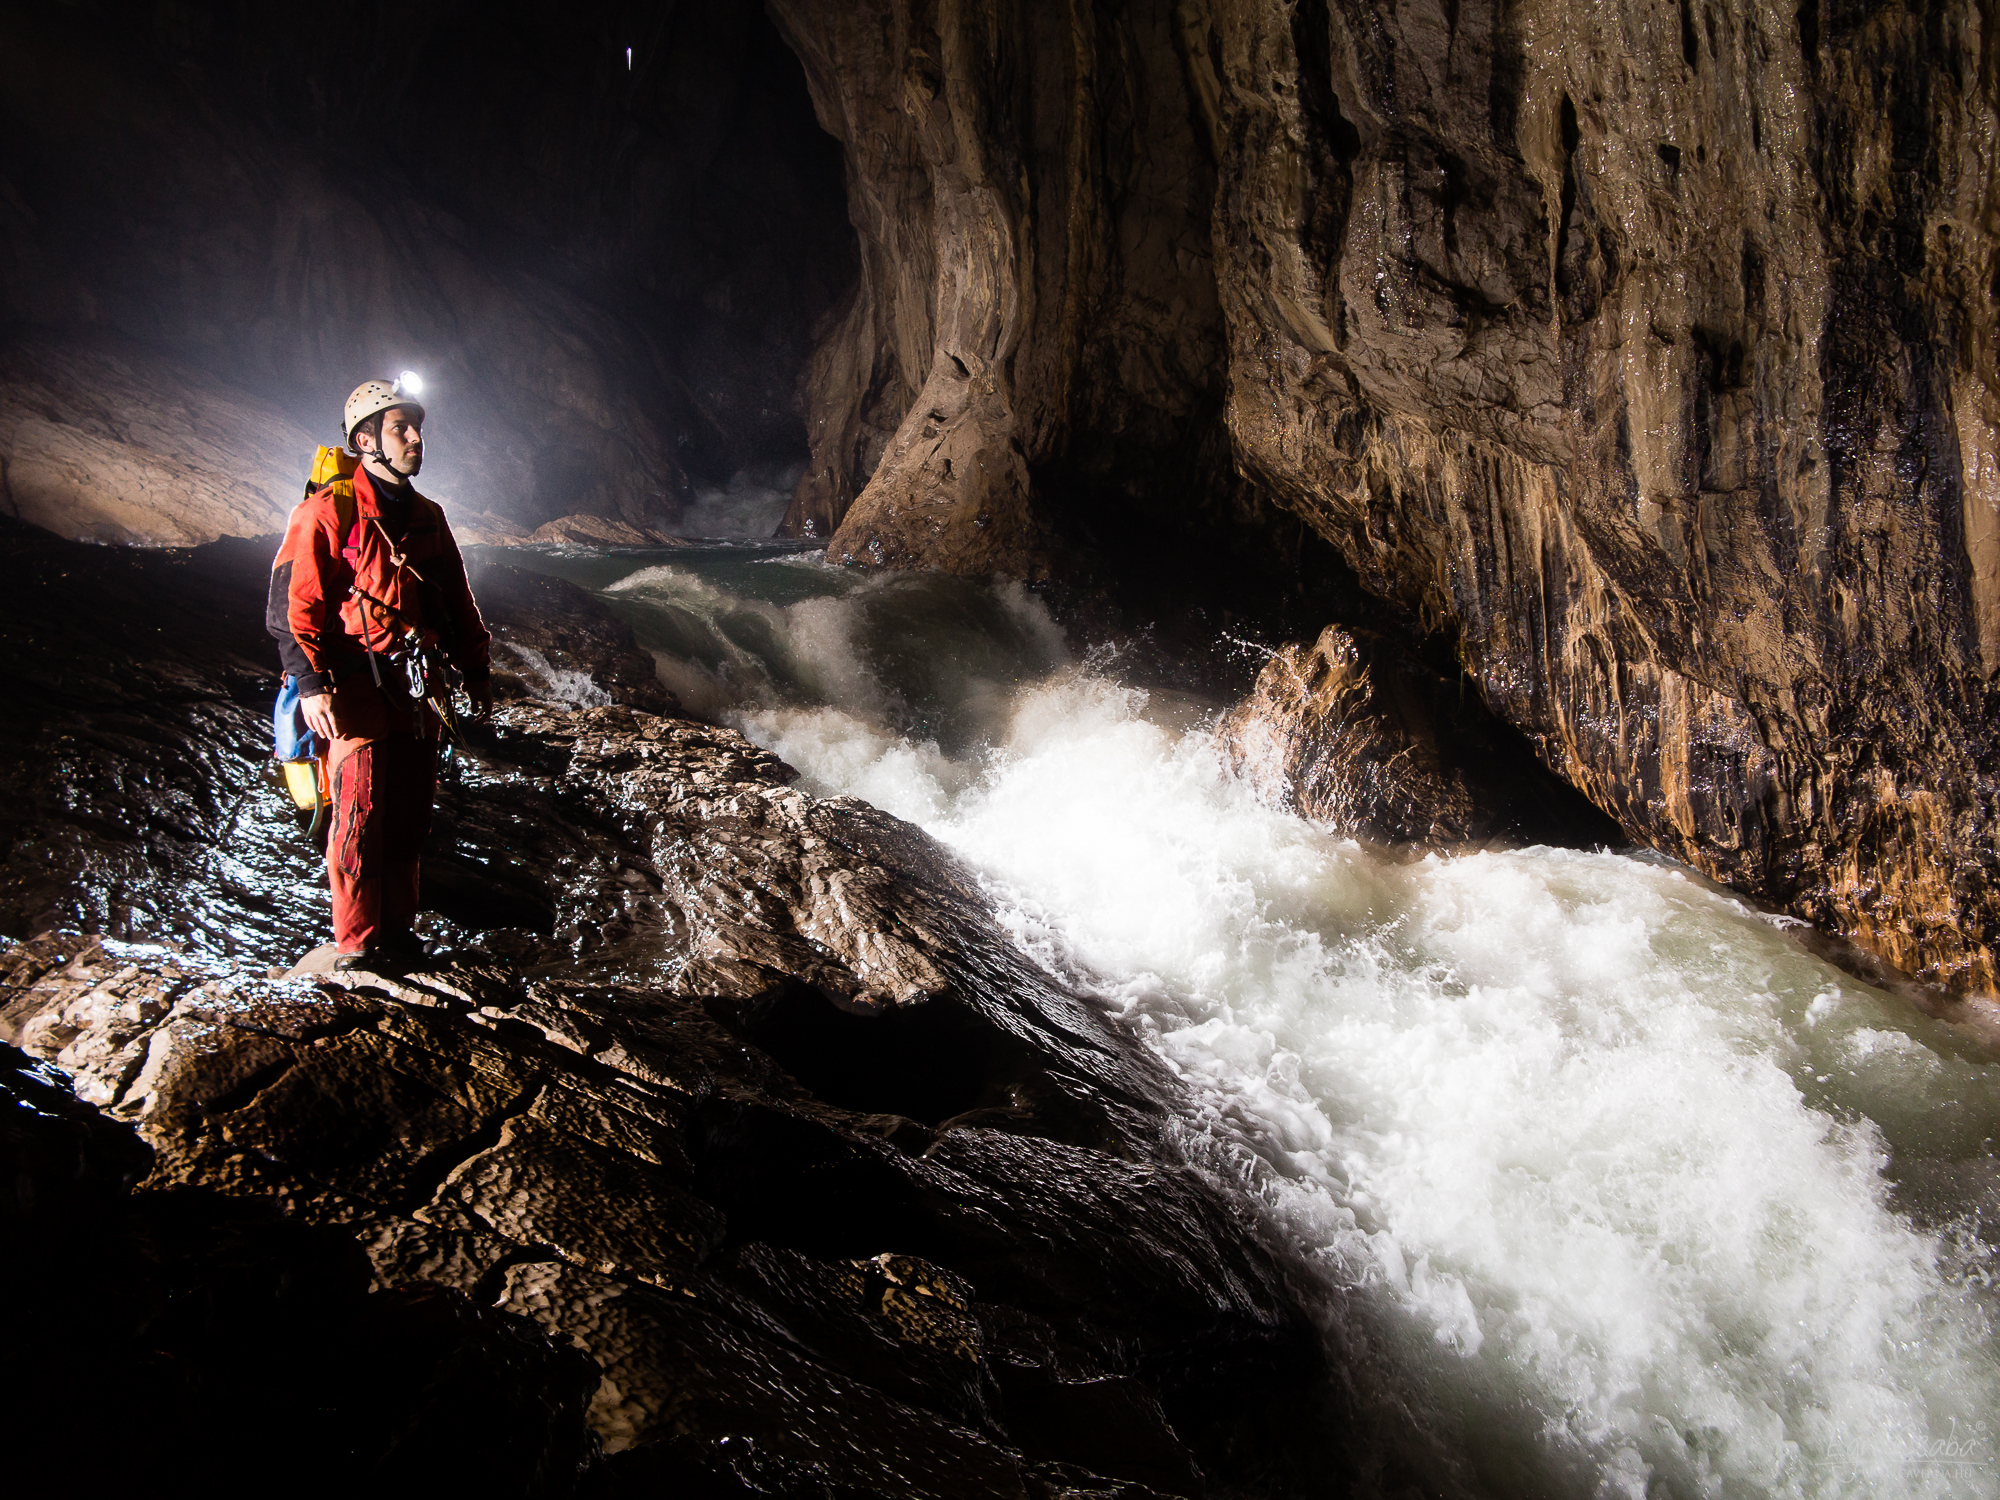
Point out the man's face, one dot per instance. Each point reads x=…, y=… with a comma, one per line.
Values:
x=402, y=441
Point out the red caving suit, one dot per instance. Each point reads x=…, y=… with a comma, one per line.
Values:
x=382, y=765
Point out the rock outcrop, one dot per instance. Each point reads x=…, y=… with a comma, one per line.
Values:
x=1036, y=318
x=1646, y=354
x=598, y=531
x=135, y=798
x=744, y=1094
x=1653, y=360
x=106, y=441
x=214, y=1341
x=1358, y=734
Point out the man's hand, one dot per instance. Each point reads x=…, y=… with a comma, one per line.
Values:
x=482, y=700
x=318, y=710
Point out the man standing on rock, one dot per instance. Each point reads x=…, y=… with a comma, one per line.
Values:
x=367, y=582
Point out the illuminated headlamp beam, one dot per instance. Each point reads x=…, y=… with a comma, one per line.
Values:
x=410, y=383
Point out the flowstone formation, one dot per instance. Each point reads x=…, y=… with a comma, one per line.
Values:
x=745, y=1096
x=1646, y=354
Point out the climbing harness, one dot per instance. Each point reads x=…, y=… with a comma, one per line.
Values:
x=427, y=676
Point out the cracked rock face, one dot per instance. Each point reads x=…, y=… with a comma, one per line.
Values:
x=1647, y=354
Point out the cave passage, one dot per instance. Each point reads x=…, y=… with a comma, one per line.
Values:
x=1639, y=398
x=605, y=243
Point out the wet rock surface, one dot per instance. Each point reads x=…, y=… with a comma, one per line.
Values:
x=132, y=792
x=206, y=1337
x=776, y=1287
x=1357, y=733
x=742, y=1094
x=136, y=793
x=550, y=635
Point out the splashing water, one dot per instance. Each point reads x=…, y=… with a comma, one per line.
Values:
x=750, y=506
x=563, y=684
x=1613, y=1187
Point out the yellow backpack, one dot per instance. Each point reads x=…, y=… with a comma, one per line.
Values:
x=334, y=468
x=305, y=778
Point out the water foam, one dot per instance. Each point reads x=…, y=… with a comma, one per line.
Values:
x=1608, y=1180
x=561, y=684
x=1555, y=1121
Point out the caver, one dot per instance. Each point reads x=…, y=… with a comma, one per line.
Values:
x=375, y=622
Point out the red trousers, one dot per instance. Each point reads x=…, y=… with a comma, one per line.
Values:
x=382, y=772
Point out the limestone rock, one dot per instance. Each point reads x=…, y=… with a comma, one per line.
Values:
x=1355, y=733
x=212, y=1337
x=1590, y=337
x=109, y=442
x=1648, y=356
x=483, y=528
x=1036, y=313
x=746, y=1095
x=598, y=531
x=138, y=799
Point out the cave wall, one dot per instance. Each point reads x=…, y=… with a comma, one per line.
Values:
x=607, y=275
x=1037, y=314
x=1645, y=351
x=1650, y=351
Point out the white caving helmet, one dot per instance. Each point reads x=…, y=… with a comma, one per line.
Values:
x=372, y=396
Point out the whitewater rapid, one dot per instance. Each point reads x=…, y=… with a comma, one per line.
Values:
x=1613, y=1188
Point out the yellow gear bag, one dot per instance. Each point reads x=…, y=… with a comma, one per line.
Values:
x=330, y=464
x=333, y=468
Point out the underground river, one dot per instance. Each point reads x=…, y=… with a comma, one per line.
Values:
x=1613, y=1187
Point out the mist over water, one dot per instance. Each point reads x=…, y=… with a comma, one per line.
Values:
x=1614, y=1188
x=748, y=507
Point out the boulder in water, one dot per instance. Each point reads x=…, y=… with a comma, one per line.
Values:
x=1356, y=732
x=597, y=531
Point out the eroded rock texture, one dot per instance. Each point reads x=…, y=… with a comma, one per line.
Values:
x=849, y=1196
x=214, y=1341
x=1036, y=315
x=1647, y=351
x=745, y=1095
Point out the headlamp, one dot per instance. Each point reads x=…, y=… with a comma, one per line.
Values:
x=409, y=383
